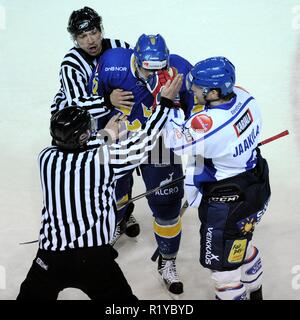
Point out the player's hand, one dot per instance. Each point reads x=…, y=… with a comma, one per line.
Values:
x=172, y=88
x=121, y=98
x=158, y=81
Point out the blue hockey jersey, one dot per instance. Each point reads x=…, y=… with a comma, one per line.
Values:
x=116, y=69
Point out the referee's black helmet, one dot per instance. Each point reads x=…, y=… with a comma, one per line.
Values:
x=83, y=20
x=71, y=128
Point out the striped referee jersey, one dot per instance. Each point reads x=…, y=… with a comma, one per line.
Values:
x=79, y=187
x=75, y=71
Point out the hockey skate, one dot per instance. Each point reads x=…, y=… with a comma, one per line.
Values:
x=257, y=294
x=127, y=225
x=120, y=229
x=168, y=273
x=132, y=227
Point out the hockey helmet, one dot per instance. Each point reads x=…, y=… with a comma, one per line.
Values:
x=83, y=20
x=151, y=52
x=213, y=73
x=71, y=127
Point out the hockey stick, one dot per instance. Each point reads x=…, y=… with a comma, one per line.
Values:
x=134, y=199
x=277, y=136
x=145, y=194
x=186, y=205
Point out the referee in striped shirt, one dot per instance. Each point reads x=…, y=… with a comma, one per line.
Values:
x=78, y=178
x=85, y=27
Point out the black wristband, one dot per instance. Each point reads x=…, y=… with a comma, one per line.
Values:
x=166, y=103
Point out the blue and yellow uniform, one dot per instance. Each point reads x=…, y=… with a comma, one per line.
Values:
x=117, y=69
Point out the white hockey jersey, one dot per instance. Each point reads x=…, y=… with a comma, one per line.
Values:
x=220, y=141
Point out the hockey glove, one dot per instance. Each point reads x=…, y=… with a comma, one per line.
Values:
x=157, y=82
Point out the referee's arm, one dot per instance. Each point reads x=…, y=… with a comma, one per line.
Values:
x=130, y=153
x=76, y=93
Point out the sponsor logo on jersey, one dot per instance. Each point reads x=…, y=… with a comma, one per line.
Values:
x=247, y=143
x=202, y=123
x=243, y=123
x=255, y=268
x=237, y=251
x=167, y=180
x=109, y=69
x=236, y=108
x=248, y=224
x=167, y=191
x=209, y=256
x=224, y=199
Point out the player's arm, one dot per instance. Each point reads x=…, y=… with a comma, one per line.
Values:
x=184, y=136
x=129, y=153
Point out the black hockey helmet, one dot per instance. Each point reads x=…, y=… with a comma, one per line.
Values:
x=83, y=20
x=71, y=127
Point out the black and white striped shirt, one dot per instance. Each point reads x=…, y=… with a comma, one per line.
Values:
x=75, y=71
x=79, y=187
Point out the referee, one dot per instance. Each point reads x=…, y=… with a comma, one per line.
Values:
x=86, y=29
x=78, y=179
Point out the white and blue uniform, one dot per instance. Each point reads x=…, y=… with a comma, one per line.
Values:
x=228, y=181
x=221, y=141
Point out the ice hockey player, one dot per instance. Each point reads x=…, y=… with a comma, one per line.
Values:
x=227, y=179
x=143, y=71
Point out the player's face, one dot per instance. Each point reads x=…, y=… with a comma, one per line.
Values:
x=198, y=92
x=145, y=74
x=90, y=42
x=211, y=97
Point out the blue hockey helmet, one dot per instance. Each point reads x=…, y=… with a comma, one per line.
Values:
x=151, y=52
x=213, y=73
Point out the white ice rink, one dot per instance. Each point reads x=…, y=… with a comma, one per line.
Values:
x=261, y=38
